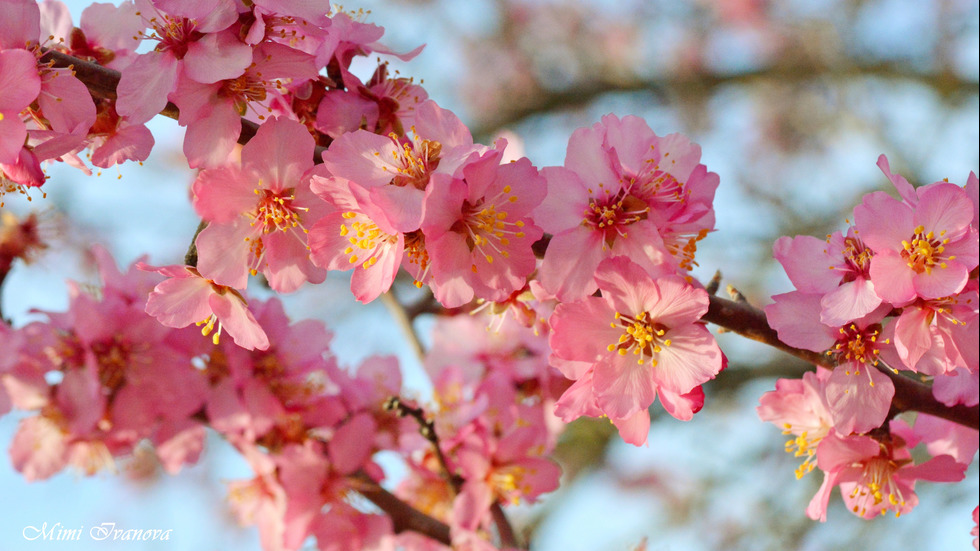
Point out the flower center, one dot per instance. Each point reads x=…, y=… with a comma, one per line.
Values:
x=857, y=257
x=612, y=214
x=924, y=251
x=365, y=235
x=414, y=162
x=876, y=485
x=487, y=230
x=857, y=345
x=417, y=254
x=642, y=336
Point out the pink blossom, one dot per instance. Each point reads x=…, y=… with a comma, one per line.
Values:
x=936, y=336
x=395, y=170
x=182, y=51
x=846, y=288
x=383, y=105
x=478, y=229
x=188, y=297
x=257, y=213
x=212, y=111
x=922, y=250
x=656, y=340
x=875, y=477
x=799, y=407
x=596, y=208
x=358, y=235
x=857, y=393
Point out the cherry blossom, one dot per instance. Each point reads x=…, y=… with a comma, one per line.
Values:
x=258, y=212
x=640, y=335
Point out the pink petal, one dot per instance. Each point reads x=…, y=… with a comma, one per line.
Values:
x=180, y=301
x=129, y=143
x=67, y=104
x=19, y=80
x=852, y=300
x=223, y=253
x=806, y=263
x=209, y=142
x=144, y=86
x=352, y=443
x=279, y=154
x=239, y=322
x=892, y=278
x=216, y=57
x=858, y=398
x=634, y=429
x=623, y=386
x=222, y=195
x=795, y=317
x=691, y=359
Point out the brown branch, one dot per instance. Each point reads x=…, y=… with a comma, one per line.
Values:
x=403, y=516
x=750, y=322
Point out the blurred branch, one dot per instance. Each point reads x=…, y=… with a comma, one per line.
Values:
x=404, y=320
x=946, y=84
x=403, y=516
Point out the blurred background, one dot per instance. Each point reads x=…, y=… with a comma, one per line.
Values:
x=791, y=101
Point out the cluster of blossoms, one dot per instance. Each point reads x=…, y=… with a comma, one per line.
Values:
x=900, y=294
x=581, y=270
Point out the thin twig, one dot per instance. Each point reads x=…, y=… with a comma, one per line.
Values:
x=428, y=430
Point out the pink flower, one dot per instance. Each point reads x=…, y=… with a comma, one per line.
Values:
x=641, y=335
x=936, y=336
x=212, y=111
x=925, y=249
x=596, y=208
x=187, y=297
x=257, y=213
x=875, y=477
x=478, y=230
x=395, y=171
x=383, y=105
x=799, y=407
x=858, y=394
x=358, y=235
x=192, y=43
x=846, y=288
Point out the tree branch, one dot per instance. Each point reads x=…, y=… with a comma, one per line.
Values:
x=750, y=322
x=403, y=516
x=581, y=93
